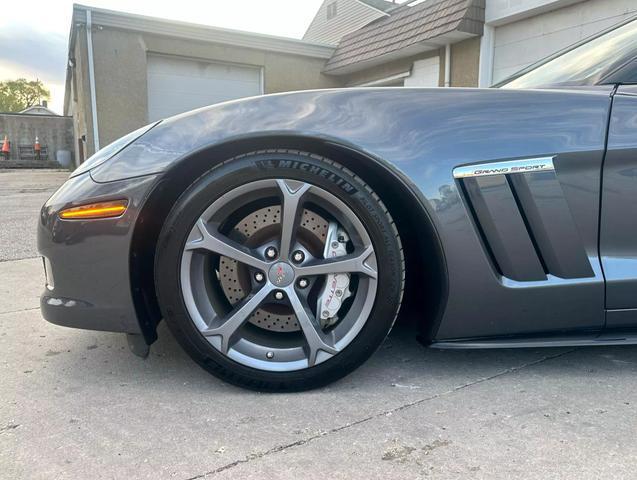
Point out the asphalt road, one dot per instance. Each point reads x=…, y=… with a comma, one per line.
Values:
x=77, y=404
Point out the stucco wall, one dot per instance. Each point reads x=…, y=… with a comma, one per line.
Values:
x=54, y=132
x=465, y=63
x=79, y=105
x=121, y=82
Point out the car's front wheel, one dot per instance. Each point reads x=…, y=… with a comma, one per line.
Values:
x=279, y=270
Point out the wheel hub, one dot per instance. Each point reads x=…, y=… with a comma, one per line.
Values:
x=257, y=226
x=281, y=274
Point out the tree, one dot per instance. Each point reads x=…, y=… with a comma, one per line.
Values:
x=16, y=95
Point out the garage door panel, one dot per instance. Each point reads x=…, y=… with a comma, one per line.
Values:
x=199, y=86
x=210, y=74
x=177, y=85
x=525, y=51
x=589, y=29
x=524, y=42
x=191, y=67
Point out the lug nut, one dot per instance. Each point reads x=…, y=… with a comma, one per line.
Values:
x=325, y=314
x=335, y=245
x=271, y=252
x=339, y=293
x=303, y=283
x=298, y=256
x=259, y=277
x=269, y=355
x=279, y=295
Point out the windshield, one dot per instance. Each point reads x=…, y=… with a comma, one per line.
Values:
x=587, y=63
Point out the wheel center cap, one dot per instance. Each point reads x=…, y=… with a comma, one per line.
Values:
x=281, y=274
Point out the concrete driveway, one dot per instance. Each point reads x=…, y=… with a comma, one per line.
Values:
x=77, y=404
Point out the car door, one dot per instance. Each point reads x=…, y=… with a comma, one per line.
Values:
x=618, y=234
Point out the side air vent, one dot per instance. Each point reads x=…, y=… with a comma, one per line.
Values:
x=524, y=220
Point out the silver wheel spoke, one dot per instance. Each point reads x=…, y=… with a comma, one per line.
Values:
x=292, y=193
x=352, y=263
x=228, y=325
x=217, y=243
x=244, y=303
x=316, y=340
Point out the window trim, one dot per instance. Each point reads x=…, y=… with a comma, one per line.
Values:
x=332, y=10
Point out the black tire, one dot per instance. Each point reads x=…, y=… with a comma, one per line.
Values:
x=328, y=175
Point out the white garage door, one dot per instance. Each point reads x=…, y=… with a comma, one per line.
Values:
x=176, y=85
x=425, y=73
x=519, y=44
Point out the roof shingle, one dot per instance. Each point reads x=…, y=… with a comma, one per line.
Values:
x=408, y=26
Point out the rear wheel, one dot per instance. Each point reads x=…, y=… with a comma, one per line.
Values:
x=279, y=270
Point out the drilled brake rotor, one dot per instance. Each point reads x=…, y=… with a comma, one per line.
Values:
x=260, y=225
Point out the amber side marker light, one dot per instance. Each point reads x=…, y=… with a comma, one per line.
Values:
x=94, y=211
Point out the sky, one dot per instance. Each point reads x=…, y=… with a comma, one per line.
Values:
x=34, y=33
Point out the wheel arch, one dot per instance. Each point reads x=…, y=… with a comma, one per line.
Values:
x=426, y=275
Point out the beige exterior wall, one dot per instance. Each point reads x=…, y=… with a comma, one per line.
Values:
x=119, y=60
x=121, y=80
x=79, y=105
x=465, y=63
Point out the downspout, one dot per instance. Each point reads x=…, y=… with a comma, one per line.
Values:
x=91, y=79
x=448, y=65
x=487, y=48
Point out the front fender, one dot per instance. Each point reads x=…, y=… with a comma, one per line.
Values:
x=423, y=134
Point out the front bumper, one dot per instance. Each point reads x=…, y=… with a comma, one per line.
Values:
x=87, y=261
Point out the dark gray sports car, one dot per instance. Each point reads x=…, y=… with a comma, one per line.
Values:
x=280, y=236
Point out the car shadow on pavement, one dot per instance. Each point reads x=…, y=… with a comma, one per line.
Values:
x=401, y=363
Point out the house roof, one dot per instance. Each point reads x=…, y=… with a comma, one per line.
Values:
x=409, y=30
x=193, y=31
x=382, y=5
x=38, y=110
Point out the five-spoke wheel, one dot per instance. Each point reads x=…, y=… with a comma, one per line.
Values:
x=279, y=271
x=273, y=259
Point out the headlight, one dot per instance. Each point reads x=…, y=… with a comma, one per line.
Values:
x=110, y=150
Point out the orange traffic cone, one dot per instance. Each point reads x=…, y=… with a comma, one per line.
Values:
x=6, y=148
x=37, y=148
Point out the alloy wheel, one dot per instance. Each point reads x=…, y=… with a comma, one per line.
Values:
x=279, y=275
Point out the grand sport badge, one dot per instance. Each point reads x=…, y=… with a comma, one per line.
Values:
x=544, y=164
